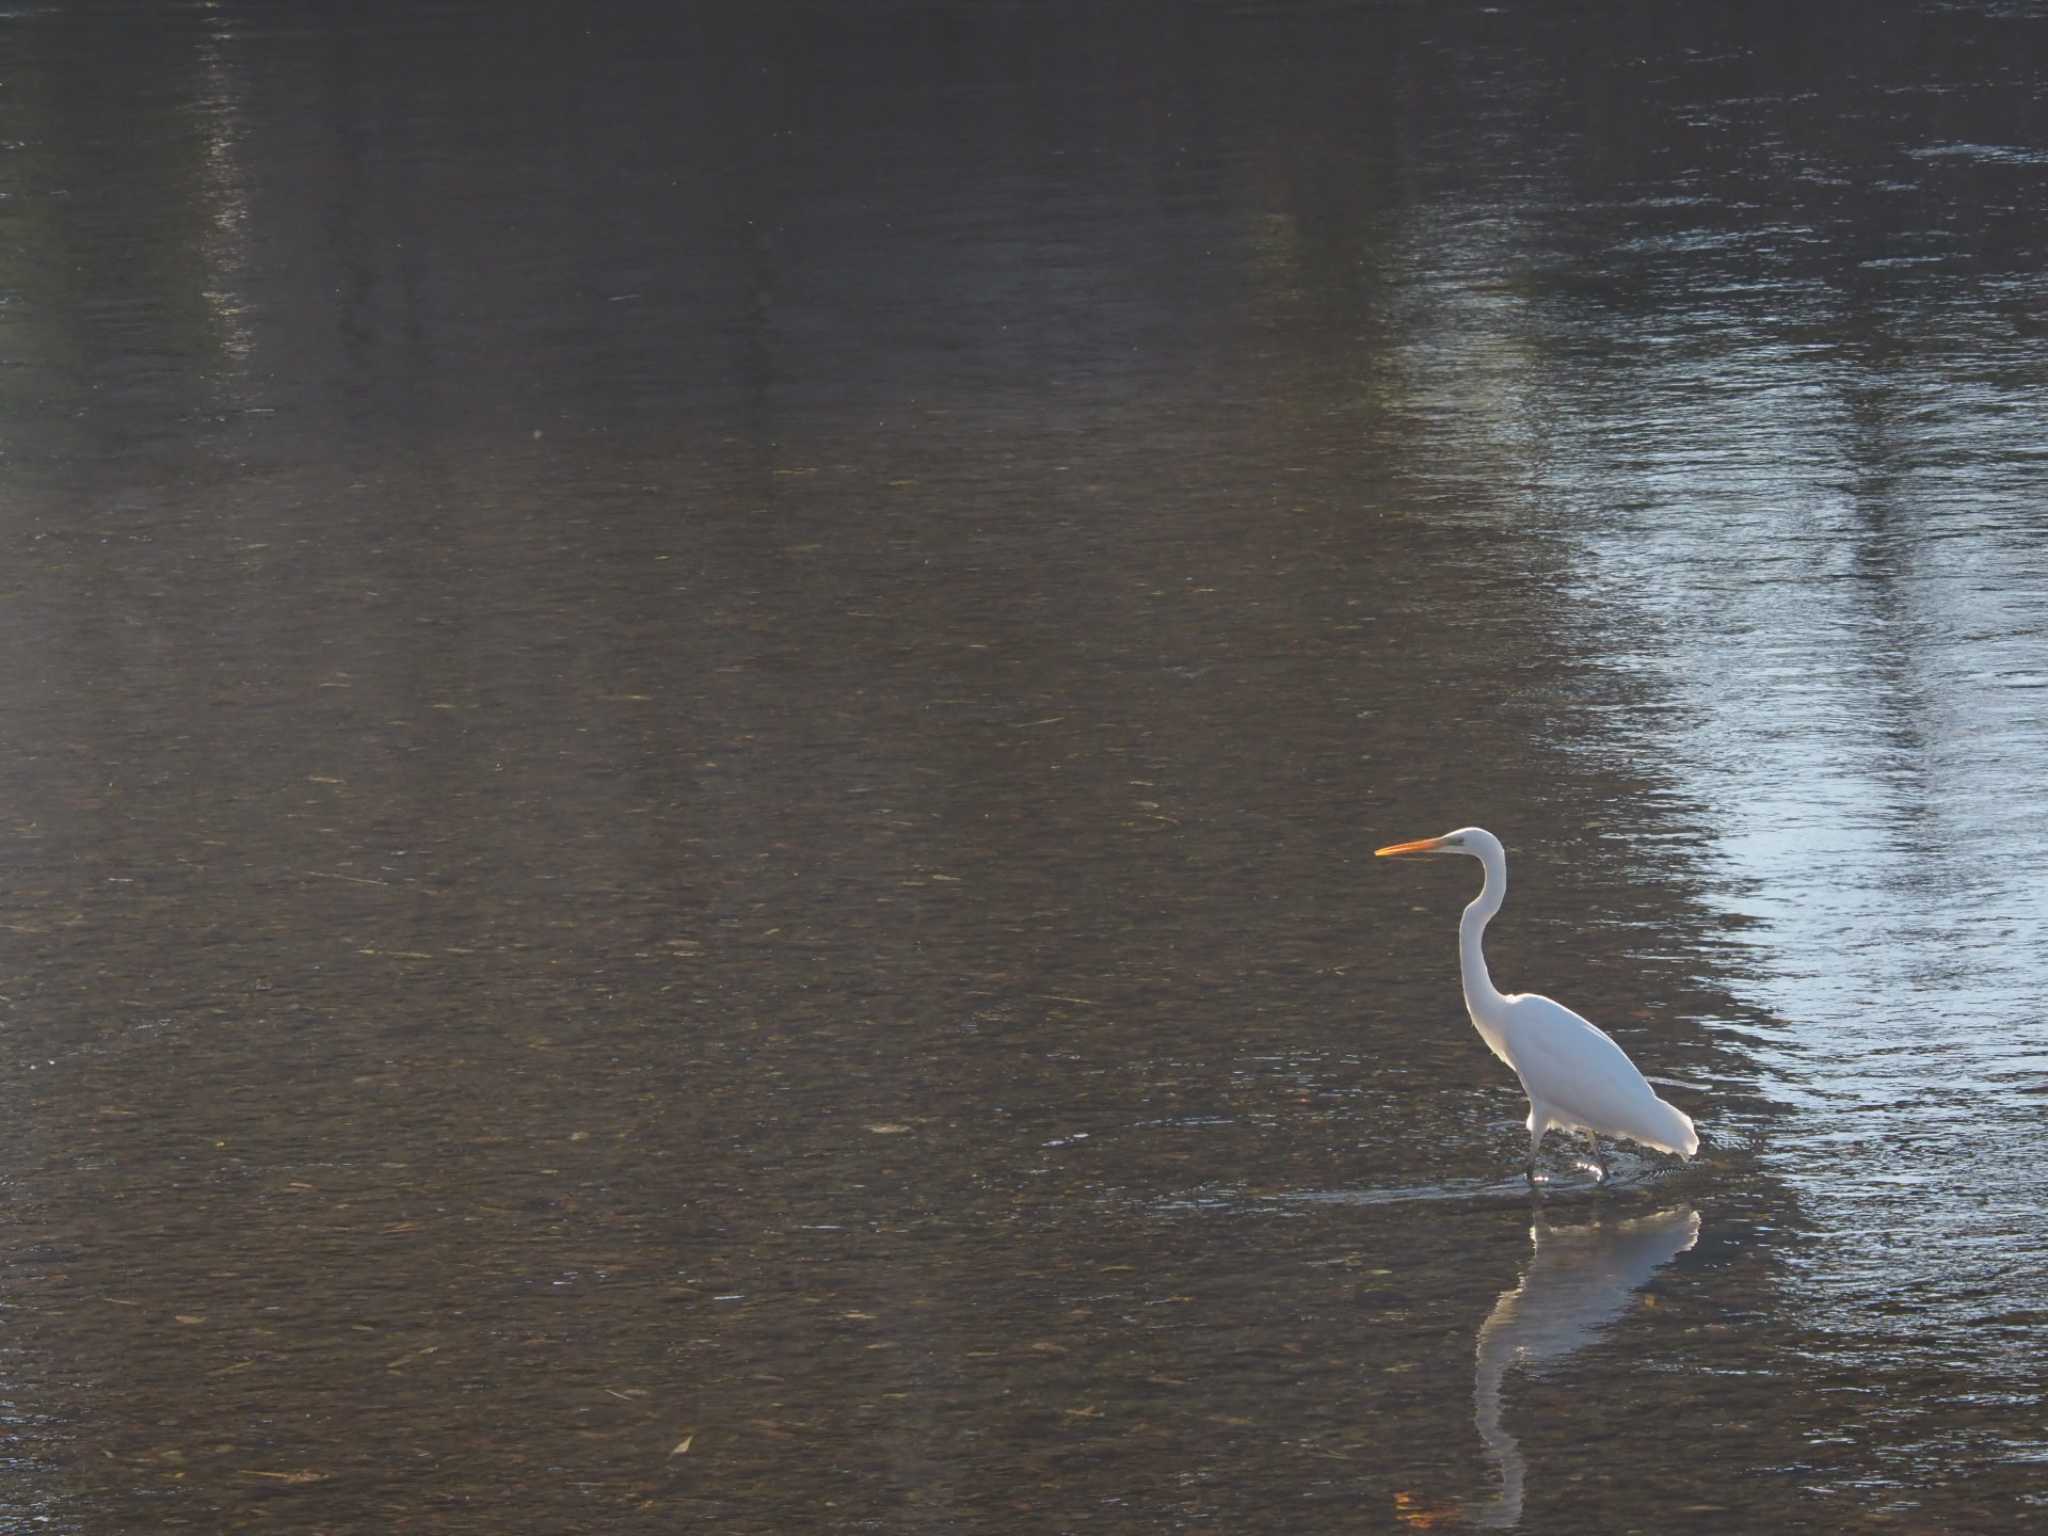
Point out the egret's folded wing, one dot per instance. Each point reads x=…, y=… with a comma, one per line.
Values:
x=1574, y=1067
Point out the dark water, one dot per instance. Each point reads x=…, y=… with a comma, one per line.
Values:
x=696, y=704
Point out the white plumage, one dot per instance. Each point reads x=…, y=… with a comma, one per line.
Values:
x=1576, y=1077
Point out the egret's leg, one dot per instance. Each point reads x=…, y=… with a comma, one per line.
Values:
x=1599, y=1162
x=1539, y=1122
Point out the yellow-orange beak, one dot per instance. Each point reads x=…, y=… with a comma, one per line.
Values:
x=1420, y=845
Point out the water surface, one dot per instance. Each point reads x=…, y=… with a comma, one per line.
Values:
x=697, y=708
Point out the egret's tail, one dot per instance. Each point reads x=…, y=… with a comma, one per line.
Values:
x=1675, y=1133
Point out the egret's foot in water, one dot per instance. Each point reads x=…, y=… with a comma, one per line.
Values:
x=1594, y=1161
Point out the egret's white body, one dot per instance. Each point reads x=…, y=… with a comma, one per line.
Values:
x=1576, y=1077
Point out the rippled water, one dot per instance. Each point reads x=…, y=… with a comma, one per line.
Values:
x=697, y=706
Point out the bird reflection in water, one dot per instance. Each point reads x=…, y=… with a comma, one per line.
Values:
x=1579, y=1280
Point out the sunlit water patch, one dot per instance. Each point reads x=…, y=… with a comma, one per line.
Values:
x=1848, y=624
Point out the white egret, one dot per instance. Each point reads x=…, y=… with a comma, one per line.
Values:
x=1576, y=1077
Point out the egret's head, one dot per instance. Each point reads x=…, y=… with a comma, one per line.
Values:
x=1474, y=842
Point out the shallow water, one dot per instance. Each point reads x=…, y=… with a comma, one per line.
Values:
x=697, y=708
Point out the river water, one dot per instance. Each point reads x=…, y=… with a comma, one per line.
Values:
x=697, y=702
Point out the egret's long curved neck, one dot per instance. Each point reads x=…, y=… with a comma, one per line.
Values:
x=1481, y=997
